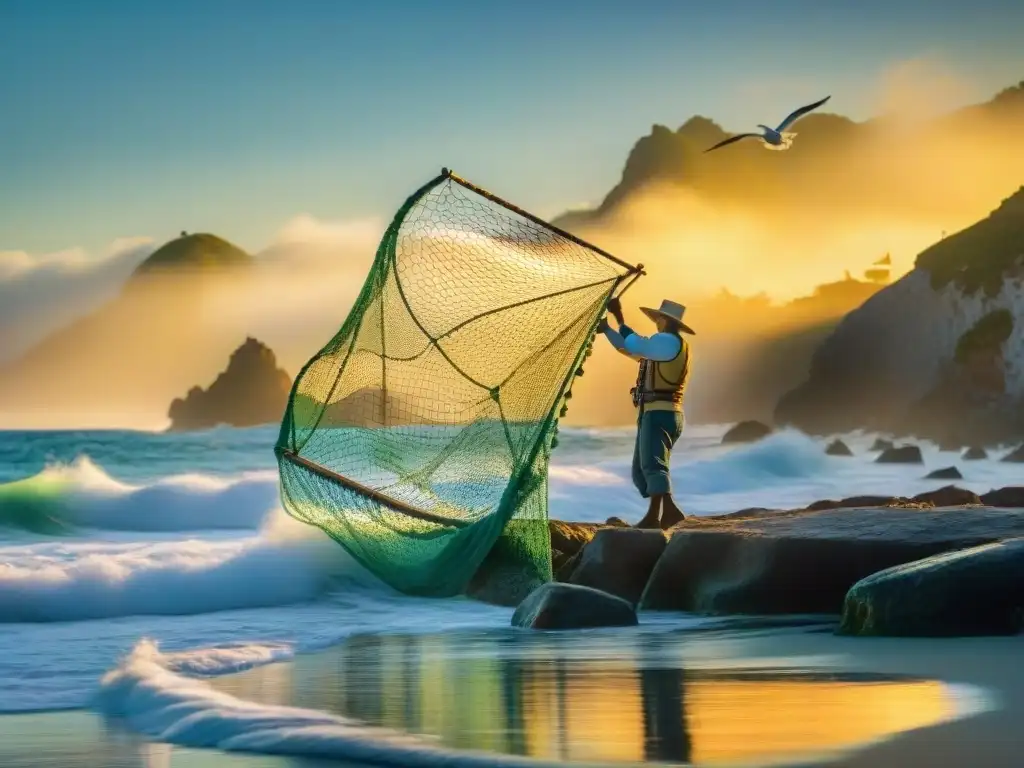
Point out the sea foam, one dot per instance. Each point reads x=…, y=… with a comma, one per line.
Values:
x=149, y=692
x=63, y=497
x=72, y=581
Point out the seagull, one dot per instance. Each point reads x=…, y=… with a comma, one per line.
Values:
x=774, y=138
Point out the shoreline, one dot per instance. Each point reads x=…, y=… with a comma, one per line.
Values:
x=989, y=738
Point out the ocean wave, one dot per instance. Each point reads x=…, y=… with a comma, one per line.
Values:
x=707, y=479
x=66, y=497
x=287, y=563
x=149, y=693
x=781, y=457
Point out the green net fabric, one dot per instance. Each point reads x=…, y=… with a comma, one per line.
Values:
x=419, y=436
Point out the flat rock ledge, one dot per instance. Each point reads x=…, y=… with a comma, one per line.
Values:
x=555, y=606
x=806, y=561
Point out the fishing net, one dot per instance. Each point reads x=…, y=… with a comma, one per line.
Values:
x=419, y=436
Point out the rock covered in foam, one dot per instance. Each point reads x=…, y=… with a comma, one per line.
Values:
x=976, y=591
x=571, y=606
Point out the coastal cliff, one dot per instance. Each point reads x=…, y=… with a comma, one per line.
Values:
x=146, y=343
x=938, y=354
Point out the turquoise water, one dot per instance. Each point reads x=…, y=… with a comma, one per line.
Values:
x=140, y=456
x=164, y=556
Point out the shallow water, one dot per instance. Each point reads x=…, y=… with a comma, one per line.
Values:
x=602, y=697
x=605, y=697
x=107, y=538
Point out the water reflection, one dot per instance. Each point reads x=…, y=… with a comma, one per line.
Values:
x=628, y=698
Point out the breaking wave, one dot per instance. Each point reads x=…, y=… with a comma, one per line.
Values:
x=66, y=497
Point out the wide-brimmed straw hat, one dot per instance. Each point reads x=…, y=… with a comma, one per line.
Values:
x=672, y=312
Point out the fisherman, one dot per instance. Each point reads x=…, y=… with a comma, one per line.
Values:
x=658, y=397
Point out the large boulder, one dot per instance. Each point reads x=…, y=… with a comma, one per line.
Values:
x=904, y=454
x=570, y=606
x=570, y=538
x=619, y=561
x=1016, y=456
x=838, y=448
x=976, y=591
x=948, y=496
x=975, y=453
x=946, y=473
x=881, y=444
x=567, y=543
x=806, y=561
x=252, y=390
x=746, y=432
x=1012, y=496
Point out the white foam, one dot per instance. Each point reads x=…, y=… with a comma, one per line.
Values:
x=785, y=470
x=72, y=581
x=87, y=497
x=148, y=692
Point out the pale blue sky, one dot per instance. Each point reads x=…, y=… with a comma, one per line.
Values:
x=126, y=118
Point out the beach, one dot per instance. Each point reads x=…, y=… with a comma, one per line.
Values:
x=770, y=696
x=159, y=610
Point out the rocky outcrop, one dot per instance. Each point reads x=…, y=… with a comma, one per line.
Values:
x=746, y=432
x=619, y=561
x=567, y=541
x=762, y=561
x=1011, y=497
x=904, y=454
x=838, y=448
x=1016, y=456
x=145, y=345
x=252, y=390
x=938, y=354
x=975, y=453
x=556, y=606
x=976, y=591
x=946, y=473
x=806, y=561
x=881, y=444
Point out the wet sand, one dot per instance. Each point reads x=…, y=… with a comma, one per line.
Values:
x=781, y=695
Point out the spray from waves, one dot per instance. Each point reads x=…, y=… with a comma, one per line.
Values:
x=286, y=563
x=707, y=478
x=64, y=498
x=781, y=457
x=149, y=693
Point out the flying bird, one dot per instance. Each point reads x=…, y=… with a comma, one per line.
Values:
x=774, y=138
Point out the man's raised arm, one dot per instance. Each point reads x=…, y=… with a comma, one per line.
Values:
x=661, y=346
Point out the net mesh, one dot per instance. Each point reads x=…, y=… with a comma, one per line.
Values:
x=419, y=436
